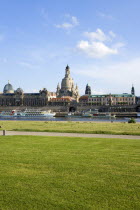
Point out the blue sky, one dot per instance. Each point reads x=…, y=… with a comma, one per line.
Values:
x=98, y=39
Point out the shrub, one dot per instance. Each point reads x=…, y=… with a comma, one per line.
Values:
x=132, y=120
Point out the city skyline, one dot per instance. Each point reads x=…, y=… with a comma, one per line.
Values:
x=60, y=85
x=98, y=40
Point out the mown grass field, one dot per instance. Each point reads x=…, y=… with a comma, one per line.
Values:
x=73, y=127
x=69, y=173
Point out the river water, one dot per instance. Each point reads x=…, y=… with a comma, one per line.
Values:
x=86, y=119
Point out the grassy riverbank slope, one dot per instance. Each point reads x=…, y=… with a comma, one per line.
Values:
x=73, y=127
x=69, y=173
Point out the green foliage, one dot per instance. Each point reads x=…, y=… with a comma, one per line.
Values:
x=132, y=120
x=69, y=173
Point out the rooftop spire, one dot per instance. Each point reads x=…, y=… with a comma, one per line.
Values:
x=133, y=90
x=67, y=74
x=88, y=90
x=67, y=67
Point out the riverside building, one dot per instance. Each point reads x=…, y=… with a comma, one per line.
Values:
x=107, y=99
x=112, y=99
x=11, y=97
x=66, y=95
x=63, y=96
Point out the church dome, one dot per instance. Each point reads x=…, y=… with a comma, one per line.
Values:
x=67, y=86
x=67, y=83
x=19, y=90
x=8, y=88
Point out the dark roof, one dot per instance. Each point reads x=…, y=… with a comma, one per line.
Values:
x=35, y=94
x=84, y=97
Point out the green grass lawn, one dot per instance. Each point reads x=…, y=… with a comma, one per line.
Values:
x=73, y=127
x=69, y=173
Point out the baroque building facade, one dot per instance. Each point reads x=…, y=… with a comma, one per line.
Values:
x=107, y=100
x=63, y=95
x=9, y=97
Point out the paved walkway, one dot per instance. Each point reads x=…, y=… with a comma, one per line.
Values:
x=14, y=133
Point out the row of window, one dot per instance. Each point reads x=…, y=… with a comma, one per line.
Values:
x=13, y=102
x=108, y=99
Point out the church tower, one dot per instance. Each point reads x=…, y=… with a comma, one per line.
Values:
x=133, y=90
x=58, y=90
x=88, y=90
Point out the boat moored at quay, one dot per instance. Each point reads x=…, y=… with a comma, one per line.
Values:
x=95, y=113
x=27, y=113
x=37, y=113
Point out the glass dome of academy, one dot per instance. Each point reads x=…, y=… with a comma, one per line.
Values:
x=8, y=88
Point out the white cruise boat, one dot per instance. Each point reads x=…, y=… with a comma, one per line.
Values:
x=95, y=113
x=27, y=113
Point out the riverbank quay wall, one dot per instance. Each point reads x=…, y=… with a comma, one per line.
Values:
x=107, y=108
x=77, y=108
x=43, y=108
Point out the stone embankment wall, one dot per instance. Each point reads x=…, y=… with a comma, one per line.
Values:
x=52, y=108
x=77, y=108
x=130, y=108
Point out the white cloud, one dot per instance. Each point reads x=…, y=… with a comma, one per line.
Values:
x=65, y=25
x=118, y=45
x=98, y=92
x=117, y=77
x=112, y=34
x=75, y=20
x=34, y=91
x=95, y=49
x=105, y=16
x=27, y=65
x=71, y=23
x=96, y=46
x=31, y=91
x=97, y=35
x=94, y=91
